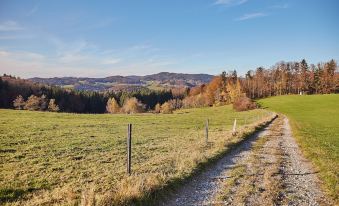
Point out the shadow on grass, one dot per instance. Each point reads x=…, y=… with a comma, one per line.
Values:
x=10, y=194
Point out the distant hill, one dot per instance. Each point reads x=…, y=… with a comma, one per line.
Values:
x=161, y=80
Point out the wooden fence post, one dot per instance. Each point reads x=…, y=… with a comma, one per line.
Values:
x=129, y=147
x=206, y=131
x=234, y=131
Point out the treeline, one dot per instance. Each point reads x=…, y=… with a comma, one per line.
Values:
x=283, y=78
x=35, y=103
x=71, y=100
x=292, y=78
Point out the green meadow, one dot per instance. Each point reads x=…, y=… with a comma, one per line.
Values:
x=315, y=123
x=64, y=159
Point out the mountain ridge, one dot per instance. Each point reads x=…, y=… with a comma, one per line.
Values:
x=160, y=80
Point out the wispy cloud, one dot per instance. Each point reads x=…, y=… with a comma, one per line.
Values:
x=280, y=6
x=10, y=26
x=230, y=2
x=263, y=13
x=82, y=58
x=76, y=52
x=110, y=61
x=22, y=55
x=16, y=36
x=251, y=16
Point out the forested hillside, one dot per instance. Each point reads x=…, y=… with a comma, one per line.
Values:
x=228, y=87
x=72, y=100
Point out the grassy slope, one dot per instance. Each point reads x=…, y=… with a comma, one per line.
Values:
x=54, y=157
x=315, y=123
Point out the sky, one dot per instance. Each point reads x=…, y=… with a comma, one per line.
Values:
x=56, y=38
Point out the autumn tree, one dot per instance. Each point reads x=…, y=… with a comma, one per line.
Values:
x=157, y=108
x=197, y=90
x=179, y=92
x=259, y=81
x=33, y=103
x=166, y=108
x=112, y=106
x=52, y=106
x=19, y=103
x=234, y=91
x=132, y=105
x=176, y=103
x=214, y=89
x=249, y=83
x=330, y=69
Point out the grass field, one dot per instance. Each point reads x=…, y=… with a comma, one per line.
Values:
x=63, y=159
x=315, y=124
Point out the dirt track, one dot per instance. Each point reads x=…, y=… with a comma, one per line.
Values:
x=266, y=169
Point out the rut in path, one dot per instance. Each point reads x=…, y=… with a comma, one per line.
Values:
x=266, y=169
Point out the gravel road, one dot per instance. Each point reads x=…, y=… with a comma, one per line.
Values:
x=266, y=169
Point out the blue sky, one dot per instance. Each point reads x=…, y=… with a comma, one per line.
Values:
x=103, y=38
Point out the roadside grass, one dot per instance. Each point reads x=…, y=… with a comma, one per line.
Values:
x=64, y=159
x=315, y=124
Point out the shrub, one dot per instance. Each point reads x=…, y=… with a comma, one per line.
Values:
x=244, y=104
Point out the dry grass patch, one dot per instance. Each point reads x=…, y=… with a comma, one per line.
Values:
x=71, y=159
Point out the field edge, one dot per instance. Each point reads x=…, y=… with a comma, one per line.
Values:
x=161, y=193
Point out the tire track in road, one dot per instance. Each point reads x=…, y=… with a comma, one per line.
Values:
x=266, y=169
x=201, y=188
